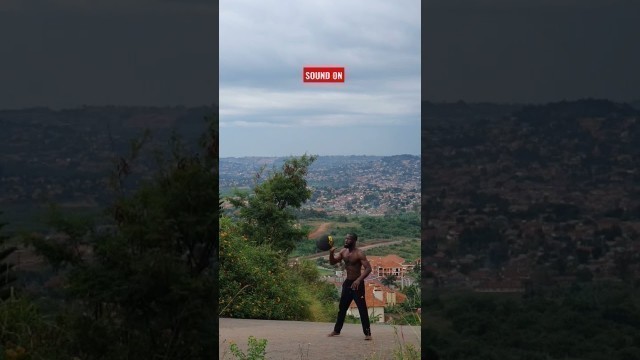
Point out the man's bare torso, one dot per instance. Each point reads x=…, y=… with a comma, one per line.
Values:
x=353, y=263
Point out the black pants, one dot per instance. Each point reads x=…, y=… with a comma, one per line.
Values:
x=345, y=300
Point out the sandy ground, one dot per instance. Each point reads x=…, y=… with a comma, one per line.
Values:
x=308, y=340
x=319, y=230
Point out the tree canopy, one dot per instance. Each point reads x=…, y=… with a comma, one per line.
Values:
x=147, y=288
x=266, y=215
x=6, y=277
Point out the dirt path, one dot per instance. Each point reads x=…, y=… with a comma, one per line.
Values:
x=319, y=230
x=298, y=340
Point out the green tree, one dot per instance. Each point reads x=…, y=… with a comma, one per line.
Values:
x=389, y=280
x=67, y=247
x=6, y=277
x=266, y=215
x=416, y=273
x=148, y=289
x=414, y=297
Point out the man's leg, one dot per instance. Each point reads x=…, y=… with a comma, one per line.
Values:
x=364, y=313
x=345, y=300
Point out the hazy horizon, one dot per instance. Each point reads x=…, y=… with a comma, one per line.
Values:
x=497, y=102
x=319, y=155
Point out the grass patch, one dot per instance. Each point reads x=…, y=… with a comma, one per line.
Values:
x=407, y=249
x=402, y=350
x=319, y=310
x=346, y=225
x=370, y=230
x=325, y=271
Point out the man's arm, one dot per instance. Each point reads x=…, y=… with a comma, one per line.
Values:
x=366, y=265
x=334, y=259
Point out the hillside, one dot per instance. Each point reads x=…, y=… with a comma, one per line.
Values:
x=532, y=232
x=65, y=156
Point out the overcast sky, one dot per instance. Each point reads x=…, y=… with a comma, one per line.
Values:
x=266, y=109
x=531, y=50
x=67, y=53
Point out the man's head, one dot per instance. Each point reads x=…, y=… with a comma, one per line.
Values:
x=350, y=240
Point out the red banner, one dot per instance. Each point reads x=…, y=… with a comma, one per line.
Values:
x=323, y=74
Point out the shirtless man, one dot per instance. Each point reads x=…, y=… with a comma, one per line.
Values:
x=353, y=287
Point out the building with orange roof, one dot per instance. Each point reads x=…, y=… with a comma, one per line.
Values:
x=391, y=297
x=383, y=266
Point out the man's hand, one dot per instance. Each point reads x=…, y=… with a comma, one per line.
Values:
x=334, y=259
x=355, y=285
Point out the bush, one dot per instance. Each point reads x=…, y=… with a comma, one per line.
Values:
x=257, y=349
x=25, y=330
x=147, y=289
x=255, y=281
x=307, y=271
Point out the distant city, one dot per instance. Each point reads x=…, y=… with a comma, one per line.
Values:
x=342, y=185
x=523, y=198
x=66, y=156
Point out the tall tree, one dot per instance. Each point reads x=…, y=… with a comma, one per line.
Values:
x=147, y=290
x=266, y=215
x=389, y=280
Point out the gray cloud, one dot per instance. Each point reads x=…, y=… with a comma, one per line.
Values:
x=531, y=51
x=66, y=53
x=264, y=46
x=96, y=6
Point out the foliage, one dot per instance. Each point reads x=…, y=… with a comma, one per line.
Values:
x=267, y=214
x=414, y=296
x=256, y=349
x=350, y=319
x=306, y=270
x=369, y=228
x=255, y=281
x=25, y=330
x=65, y=248
x=406, y=249
x=321, y=295
x=145, y=289
x=406, y=313
x=305, y=247
x=311, y=214
x=402, y=350
x=6, y=276
x=389, y=280
x=383, y=227
x=586, y=321
x=406, y=352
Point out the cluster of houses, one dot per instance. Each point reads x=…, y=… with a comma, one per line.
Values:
x=541, y=255
x=379, y=296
